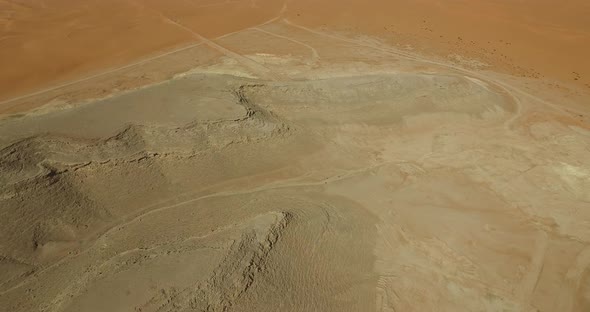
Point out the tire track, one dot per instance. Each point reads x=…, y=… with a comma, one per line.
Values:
x=315, y=57
x=508, y=89
x=125, y=221
x=256, y=67
x=114, y=70
x=137, y=63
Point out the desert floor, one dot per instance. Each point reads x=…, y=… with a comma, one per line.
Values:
x=294, y=156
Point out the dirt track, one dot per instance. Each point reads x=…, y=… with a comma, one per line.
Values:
x=287, y=167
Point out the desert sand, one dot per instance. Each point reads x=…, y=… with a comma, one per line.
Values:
x=294, y=156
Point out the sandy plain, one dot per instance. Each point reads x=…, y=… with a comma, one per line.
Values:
x=296, y=156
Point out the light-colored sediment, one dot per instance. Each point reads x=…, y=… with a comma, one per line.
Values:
x=282, y=166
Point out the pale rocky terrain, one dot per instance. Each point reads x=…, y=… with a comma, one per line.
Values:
x=274, y=164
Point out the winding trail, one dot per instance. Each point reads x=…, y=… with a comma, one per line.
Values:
x=257, y=68
x=110, y=71
x=137, y=63
x=130, y=219
x=315, y=57
x=415, y=58
x=510, y=90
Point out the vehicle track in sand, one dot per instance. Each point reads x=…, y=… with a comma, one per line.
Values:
x=137, y=63
x=411, y=57
x=130, y=219
x=104, y=73
x=257, y=68
x=509, y=89
x=315, y=56
x=512, y=91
